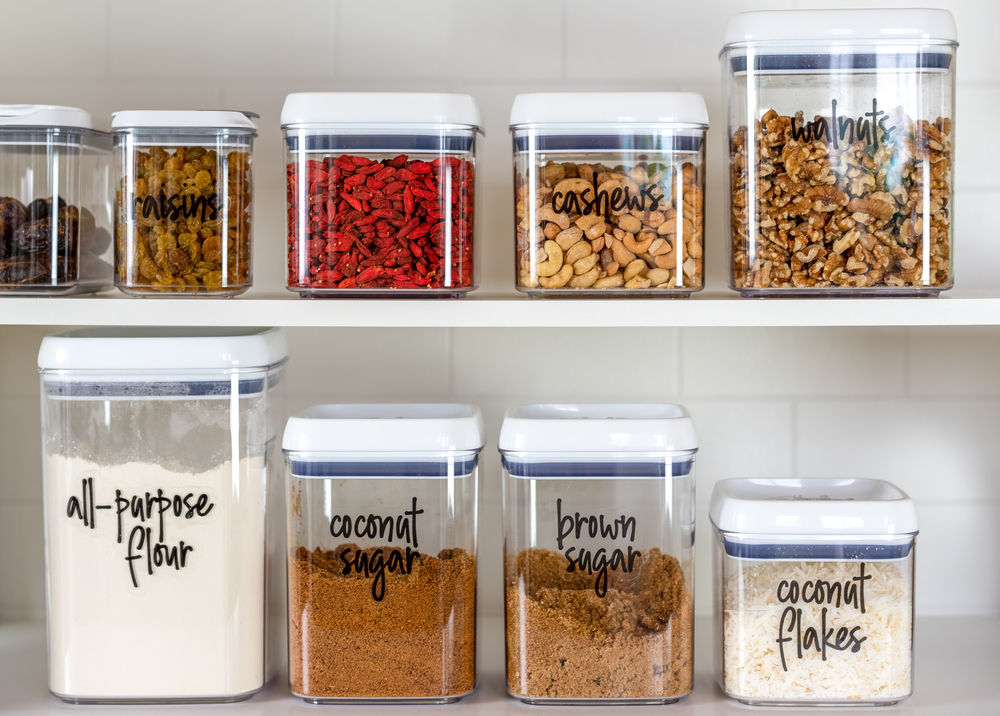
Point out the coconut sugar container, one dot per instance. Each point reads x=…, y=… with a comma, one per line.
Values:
x=382, y=552
x=841, y=177
x=598, y=562
x=813, y=591
x=157, y=446
x=609, y=193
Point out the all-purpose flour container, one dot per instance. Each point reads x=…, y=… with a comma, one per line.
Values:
x=814, y=591
x=382, y=552
x=156, y=449
x=598, y=562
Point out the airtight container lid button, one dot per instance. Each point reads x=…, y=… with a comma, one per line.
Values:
x=840, y=26
x=45, y=115
x=597, y=108
x=184, y=119
x=811, y=507
x=381, y=108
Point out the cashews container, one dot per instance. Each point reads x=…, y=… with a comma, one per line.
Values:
x=609, y=193
x=813, y=591
x=841, y=177
x=55, y=206
x=382, y=556
x=598, y=552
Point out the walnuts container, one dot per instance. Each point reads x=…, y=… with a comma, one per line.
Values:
x=184, y=193
x=841, y=178
x=609, y=193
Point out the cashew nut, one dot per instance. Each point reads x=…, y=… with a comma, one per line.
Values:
x=667, y=261
x=554, y=262
x=608, y=262
x=551, y=230
x=597, y=230
x=638, y=282
x=577, y=252
x=585, y=264
x=568, y=237
x=588, y=220
x=622, y=255
x=528, y=281
x=670, y=227
x=585, y=280
x=630, y=224
x=694, y=249
x=597, y=244
x=559, y=280
x=657, y=276
x=547, y=213
x=638, y=247
x=660, y=247
x=610, y=281
x=576, y=185
x=634, y=269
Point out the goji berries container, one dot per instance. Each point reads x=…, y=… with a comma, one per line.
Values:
x=382, y=552
x=598, y=552
x=156, y=447
x=813, y=591
x=55, y=207
x=184, y=181
x=841, y=178
x=381, y=194
x=609, y=193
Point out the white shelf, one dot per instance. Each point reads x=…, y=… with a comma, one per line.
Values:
x=955, y=675
x=484, y=310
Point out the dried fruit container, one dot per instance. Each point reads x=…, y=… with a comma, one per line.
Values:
x=841, y=171
x=183, y=223
x=53, y=157
x=382, y=552
x=609, y=193
x=598, y=560
x=381, y=194
x=813, y=591
x=156, y=447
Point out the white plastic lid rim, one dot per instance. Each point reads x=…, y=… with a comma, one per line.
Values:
x=45, y=116
x=608, y=108
x=183, y=119
x=891, y=26
x=358, y=109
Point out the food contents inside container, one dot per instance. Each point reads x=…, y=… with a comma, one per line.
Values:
x=184, y=224
x=842, y=201
x=621, y=633
x=391, y=222
x=592, y=226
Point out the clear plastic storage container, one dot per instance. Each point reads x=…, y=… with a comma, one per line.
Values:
x=382, y=552
x=184, y=223
x=598, y=562
x=53, y=157
x=381, y=194
x=814, y=591
x=156, y=447
x=841, y=164
x=609, y=192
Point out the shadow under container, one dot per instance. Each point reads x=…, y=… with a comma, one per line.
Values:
x=841, y=176
x=53, y=157
x=609, y=191
x=599, y=514
x=813, y=591
x=156, y=449
x=381, y=194
x=382, y=552
x=184, y=202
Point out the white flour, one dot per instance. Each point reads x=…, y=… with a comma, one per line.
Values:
x=195, y=630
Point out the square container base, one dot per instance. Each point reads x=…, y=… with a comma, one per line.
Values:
x=164, y=700
x=402, y=701
x=934, y=292
x=651, y=701
x=814, y=704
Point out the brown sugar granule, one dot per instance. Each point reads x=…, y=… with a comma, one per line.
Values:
x=565, y=642
x=418, y=641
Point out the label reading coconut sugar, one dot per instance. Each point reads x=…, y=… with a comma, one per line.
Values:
x=600, y=561
x=142, y=522
x=796, y=637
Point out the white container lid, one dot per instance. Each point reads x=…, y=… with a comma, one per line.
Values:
x=162, y=349
x=587, y=108
x=186, y=119
x=385, y=428
x=597, y=428
x=45, y=115
x=841, y=26
x=806, y=507
x=382, y=108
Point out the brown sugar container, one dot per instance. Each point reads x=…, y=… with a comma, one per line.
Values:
x=382, y=552
x=598, y=560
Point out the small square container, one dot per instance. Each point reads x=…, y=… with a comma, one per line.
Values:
x=381, y=194
x=382, y=552
x=609, y=192
x=598, y=564
x=841, y=166
x=184, y=217
x=813, y=591
x=53, y=157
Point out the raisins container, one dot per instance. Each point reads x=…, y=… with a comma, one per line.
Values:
x=381, y=194
x=184, y=202
x=813, y=591
x=53, y=157
x=841, y=164
x=598, y=512
x=609, y=192
x=157, y=446
x=381, y=504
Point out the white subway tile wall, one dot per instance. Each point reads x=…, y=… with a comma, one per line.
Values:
x=920, y=407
